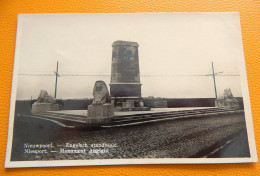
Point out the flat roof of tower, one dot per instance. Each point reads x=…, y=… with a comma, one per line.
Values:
x=124, y=43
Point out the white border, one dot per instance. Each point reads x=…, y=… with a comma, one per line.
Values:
x=247, y=106
x=13, y=94
x=89, y=162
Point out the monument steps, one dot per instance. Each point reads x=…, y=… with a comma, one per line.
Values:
x=51, y=120
x=72, y=120
x=169, y=115
x=177, y=113
x=63, y=115
x=64, y=121
x=67, y=118
x=174, y=115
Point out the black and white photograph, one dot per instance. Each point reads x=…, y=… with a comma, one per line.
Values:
x=143, y=88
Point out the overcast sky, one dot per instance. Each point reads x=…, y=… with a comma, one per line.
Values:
x=169, y=44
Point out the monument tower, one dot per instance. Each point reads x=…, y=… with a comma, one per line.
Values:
x=125, y=85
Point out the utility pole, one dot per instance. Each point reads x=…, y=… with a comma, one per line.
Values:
x=57, y=75
x=213, y=75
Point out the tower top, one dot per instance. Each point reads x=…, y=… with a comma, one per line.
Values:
x=124, y=43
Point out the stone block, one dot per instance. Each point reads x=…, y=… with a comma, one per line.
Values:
x=227, y=103
x=100, y=110
x=100, y=114
x=44, y=107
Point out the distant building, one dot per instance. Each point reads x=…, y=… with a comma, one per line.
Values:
x=160, y=104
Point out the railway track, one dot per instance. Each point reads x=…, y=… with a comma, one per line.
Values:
x=72, y=121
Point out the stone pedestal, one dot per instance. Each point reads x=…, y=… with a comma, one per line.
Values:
x=100, y=114
x=43, y=107
x=129, y=104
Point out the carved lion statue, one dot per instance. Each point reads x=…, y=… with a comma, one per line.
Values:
x=45, y=98
x=100, y=93
x=227, y=94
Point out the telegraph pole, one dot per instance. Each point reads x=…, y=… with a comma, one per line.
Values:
x=57, y=75
x=213, y=75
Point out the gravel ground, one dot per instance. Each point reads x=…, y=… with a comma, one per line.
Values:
x=171, y=139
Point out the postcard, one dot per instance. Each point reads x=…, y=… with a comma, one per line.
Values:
x=143, y=88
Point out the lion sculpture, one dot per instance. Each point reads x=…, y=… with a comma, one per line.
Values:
x=100, y=93
x=227, y=100
x=227, y=94
x=45, y=98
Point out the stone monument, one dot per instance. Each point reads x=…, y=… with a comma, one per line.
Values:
x=227, y=100
x=101, y=110
x=125, y=85
x=44, y=103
